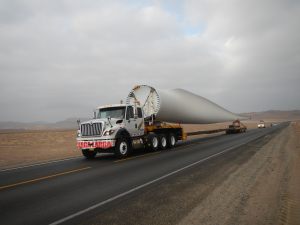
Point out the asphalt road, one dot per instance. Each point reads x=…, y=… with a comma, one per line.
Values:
x=65, y=192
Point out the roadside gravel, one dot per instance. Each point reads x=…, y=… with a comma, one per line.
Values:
x=256, y=192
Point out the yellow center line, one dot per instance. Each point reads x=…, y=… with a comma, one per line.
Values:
x=43, y=178
x=138, y=156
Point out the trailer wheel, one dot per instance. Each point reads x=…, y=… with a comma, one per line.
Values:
x=122, y=148
x=162, y=141
x=153, y=142
x=171, y=141
x=88, y=154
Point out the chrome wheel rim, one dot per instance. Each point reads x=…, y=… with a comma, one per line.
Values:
x=123, y=147
x=155, y=142
x=163, y=142
x=172, y=140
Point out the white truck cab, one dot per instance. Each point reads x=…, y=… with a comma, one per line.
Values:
x=261, y=124
x=110, y=122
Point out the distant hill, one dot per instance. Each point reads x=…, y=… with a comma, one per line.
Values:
x=71, y=123
x=19, y=125
x=274, y=115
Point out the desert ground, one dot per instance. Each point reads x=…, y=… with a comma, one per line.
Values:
x=33, y=146
x=25, y=147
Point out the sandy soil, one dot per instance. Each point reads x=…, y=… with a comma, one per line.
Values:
x=26, y=147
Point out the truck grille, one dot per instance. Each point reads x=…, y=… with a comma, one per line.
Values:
x=91, y=129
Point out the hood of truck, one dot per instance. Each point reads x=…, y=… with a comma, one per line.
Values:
x=105, y=122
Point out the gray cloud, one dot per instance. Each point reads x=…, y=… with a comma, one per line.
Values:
x=61, y=59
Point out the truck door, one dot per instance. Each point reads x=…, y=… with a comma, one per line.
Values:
x=131, y=122
x=140, y=121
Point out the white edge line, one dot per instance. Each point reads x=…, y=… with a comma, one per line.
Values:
x=142, y=186
x=39, y=164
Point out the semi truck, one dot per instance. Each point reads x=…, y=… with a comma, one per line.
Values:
x=236, y=127
x=121, y=128
x=149, y=119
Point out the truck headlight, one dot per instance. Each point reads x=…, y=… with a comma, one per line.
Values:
x=78, y=133
x=108, y=132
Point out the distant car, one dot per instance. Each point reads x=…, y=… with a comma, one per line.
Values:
x=261, y=124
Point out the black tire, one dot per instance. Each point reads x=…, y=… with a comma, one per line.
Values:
x=122, y=147
x=153, y=142
x=88, y=154
x=171, y=140
x=163, y=142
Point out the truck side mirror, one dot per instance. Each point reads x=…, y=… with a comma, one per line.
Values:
x=78, y=123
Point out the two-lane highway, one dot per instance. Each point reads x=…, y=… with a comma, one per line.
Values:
x=62, y=191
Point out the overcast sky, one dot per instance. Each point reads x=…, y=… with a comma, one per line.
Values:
x=62, y=58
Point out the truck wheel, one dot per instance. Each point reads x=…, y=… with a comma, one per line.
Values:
x=171, y=142
x=153, y=142
x=88, y=154
x=162, y=141
x=122, y=148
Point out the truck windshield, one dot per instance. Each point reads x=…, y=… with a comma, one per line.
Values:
x=113, y=112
